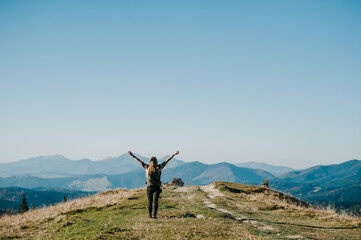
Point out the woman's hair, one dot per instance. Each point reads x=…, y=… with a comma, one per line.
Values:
x=153, y=164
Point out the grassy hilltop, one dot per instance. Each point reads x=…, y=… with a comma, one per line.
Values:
x=218, y=211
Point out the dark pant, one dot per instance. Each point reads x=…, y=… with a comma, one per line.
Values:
x=153, y=194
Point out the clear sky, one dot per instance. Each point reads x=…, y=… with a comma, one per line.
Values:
x=269, y=81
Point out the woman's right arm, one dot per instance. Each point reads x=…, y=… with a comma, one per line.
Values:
x=140, y=161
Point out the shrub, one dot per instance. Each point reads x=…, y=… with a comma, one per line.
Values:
x=177, y=182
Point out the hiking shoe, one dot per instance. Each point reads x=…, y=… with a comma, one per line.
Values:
x=155, y=217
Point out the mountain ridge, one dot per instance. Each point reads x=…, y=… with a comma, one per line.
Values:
x=330, y=173
x=191, y=173
x=62, y=166
x=58, y=165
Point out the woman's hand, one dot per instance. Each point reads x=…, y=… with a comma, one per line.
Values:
x=130, y=153
x=176, y=153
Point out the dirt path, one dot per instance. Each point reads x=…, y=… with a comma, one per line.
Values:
x=214, y=192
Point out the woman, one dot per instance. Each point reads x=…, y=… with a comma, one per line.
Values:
x=153, y=172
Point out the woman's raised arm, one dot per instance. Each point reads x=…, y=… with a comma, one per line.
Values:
x=132, y=155
x=170, y=158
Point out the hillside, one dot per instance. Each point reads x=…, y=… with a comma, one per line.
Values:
x=10, y=198
x=218, y=211
x=338, y=184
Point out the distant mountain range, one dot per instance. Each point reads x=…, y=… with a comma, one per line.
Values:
x=192, y=173
x=59, y=166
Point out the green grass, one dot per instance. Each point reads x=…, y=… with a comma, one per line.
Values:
x=184, y=215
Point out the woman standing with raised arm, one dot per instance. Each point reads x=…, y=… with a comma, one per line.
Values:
x=153, y=173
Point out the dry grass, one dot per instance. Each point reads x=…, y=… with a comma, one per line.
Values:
x=289, y=217
x=275, y=200
x=271, y=199
x=11, y=224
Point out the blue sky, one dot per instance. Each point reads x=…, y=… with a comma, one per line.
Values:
x=271, y=81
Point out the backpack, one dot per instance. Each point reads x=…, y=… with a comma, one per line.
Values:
x=153, y=178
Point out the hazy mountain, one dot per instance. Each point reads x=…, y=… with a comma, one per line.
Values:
x=44, y=164
x=59, y=166
x=274, y=170
x=10, y=198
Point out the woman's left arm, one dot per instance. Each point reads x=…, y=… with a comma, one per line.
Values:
x=170, y=158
